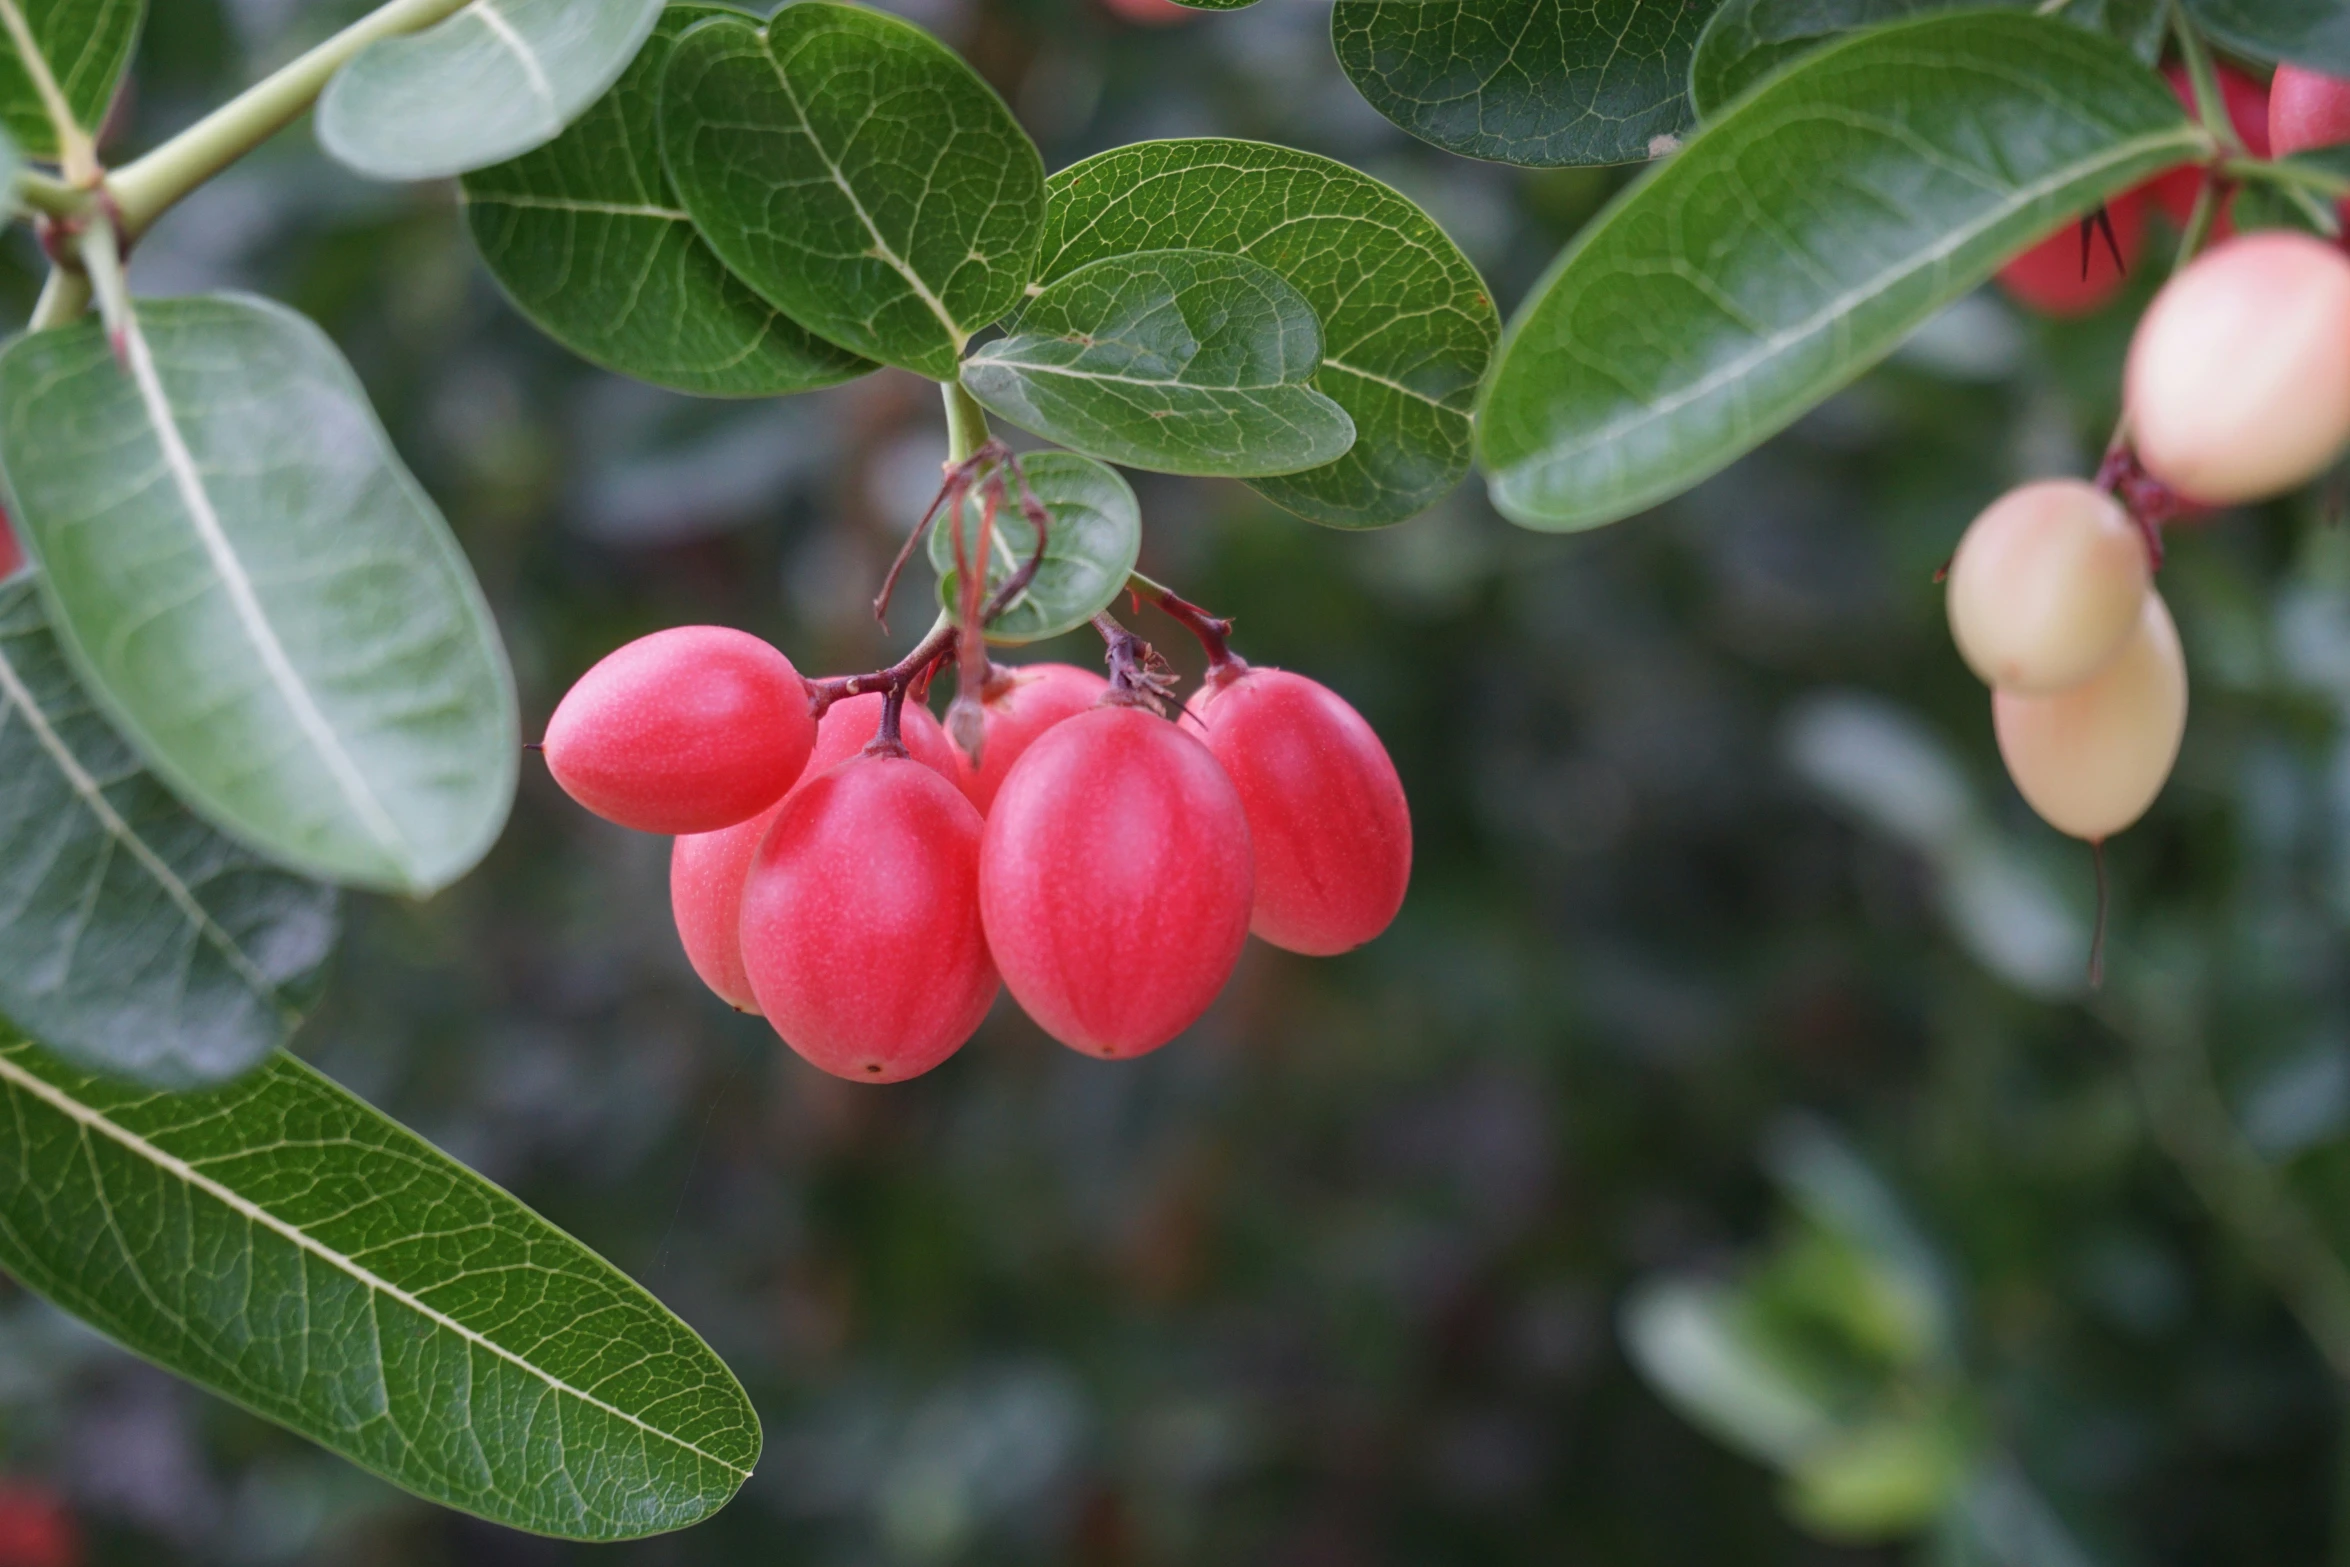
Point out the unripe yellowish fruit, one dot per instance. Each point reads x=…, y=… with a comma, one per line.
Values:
x=2046, y=586
x=2091, y=759
x=2239, y=377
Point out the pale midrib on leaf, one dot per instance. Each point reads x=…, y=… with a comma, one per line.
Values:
x=1025, y=367
x=91, y=1120
x=189, y=482
x=1397, y=387
x=881, y=251
x=94, y=800
x=601, y=209
x=524, y=56
x=1777, y=343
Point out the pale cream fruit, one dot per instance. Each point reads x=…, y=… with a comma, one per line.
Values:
x=2047, y=586
x=2091, y=759
x=2239, y=377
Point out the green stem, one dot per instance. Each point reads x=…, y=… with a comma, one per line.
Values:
x=149, y=187
x=63, y=298
x=966, y=424
x=37, y=192
x=2211, y=106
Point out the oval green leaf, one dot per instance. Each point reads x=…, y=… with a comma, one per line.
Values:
x=134, y=939
x=88, y=45
x=489, y=83
x=1538, y=82
x=2312, y=33
x=282, y=1244
x=1796, y=241
x=588, y=240
x=256, y=592
x=1091, y=544
x=1408, y=329
x=855, y=172
x=1180, y=361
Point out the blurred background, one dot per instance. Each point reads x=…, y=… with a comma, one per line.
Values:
x=1722, y=1160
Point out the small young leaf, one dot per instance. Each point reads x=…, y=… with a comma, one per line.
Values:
x=257, y=593
x=1090, y=548
x=491, y=82
x=2310, y=33
x=1407, y=326
x=133, y=938
x=284, y=1245
x=87, y=43
x=855, y=172
x=1541, y=82
x=1797, y=240
x=1181, y=361
x=587, y=238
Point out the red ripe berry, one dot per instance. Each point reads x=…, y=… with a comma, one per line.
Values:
x=687, y=730
x=36, y=1530
x=860, y=922
x=11, y=556
x=2050, y=277
x=706, y=870
x=1327, y=821
x=1115, y=881
x=2247, y=103
x=1028, y=701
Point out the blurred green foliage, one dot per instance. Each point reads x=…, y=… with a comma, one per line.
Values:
x=1722, y=1160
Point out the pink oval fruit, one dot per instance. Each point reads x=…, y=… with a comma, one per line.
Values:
x=1328, y=825
x=1028, y=701
x=684, y=731
x=2306, y=109
x=1114, y=881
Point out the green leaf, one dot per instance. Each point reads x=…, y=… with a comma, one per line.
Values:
x=1541, y=82
x=1749, y=39
x=1181, y=361
x=589, y=241
x=1797, y=240
x=284, y=1245
x=489, y=83
x=133, y=938
x=2312, y=33
x=1091, y=546
x=88, y=44
x=855, y=172
x=257, y=593
x=1408, y=329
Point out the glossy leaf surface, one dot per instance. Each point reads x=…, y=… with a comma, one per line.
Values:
x=587, y=237
x=1182, y=361
x=134, y=939
x=1408, y=329
x=2312, y=33
x=88, y=45
x=487, y=84
x=1542, y=82
x=258, y=594
x=1691, y=321
x=281, y=1243
x=854, y=170
x=1094, y=538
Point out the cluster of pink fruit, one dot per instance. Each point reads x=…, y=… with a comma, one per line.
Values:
x=844, y=869
x=2298, y=110
x=2237, y=389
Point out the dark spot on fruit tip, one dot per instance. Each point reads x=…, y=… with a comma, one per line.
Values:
x=870, y=1067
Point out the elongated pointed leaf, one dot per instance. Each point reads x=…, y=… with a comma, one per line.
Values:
x=258, y=594
x=88, y=44
x=1796, y=241
x=284, y=1245
x=587, y=238
x=1091, y=544
x=2314, y=33
x=133, y=938
x=855, y=172
x=1541, y=82
x=1408, y=329
x=1182, y=361
x=489, y=83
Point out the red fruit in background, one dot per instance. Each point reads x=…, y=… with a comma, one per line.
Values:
x=860, y=921
x=2050, y=278
x=1149, y=13
x=706, y=870
x=2305, y=110
x=1114, y=881
x=1328, y=826
x=36, y=1529
x=11, y=555
x=1030, y=700
x=2247, y=103
x=687, y=730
